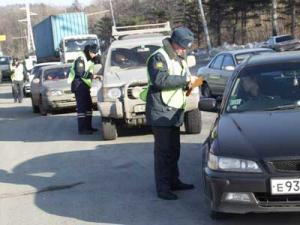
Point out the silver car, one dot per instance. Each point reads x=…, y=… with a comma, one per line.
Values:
x=217, y=72
x=50, y=90
x=32, y=73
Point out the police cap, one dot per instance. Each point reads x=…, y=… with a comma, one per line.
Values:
x=183, y=37
x=91, y=48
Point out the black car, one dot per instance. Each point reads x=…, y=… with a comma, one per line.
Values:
x=251, y=159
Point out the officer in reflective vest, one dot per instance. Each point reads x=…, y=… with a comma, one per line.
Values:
x=165, y=104
x=80, y=78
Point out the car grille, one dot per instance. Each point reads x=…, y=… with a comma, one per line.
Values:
x=268, y=200
x=286, y=165
x=130, y=88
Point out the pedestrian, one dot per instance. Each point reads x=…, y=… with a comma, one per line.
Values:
x=80, y=77
x=17, y=78
x=165, y=104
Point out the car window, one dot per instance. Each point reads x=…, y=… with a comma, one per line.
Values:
x=125, y=58
x=56, y=74
x=284, y=38
x=4, y=60
x=217, y=62
x=228, y=61
x=265, y=87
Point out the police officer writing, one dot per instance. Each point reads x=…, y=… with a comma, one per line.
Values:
x=165, y=104
x=17, y=78
x=80, y=77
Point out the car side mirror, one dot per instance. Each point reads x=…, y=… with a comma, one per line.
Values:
x=191, y=61
x=208, y=104
x=229, y=68
x=36, y=81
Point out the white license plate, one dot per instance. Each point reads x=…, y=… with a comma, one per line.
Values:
x=285, y=186
x=139, y=108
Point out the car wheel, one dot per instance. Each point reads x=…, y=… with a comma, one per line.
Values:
x=42, y=108
x=205, y=91
x=109, y=129
x=193, y=122
x=35, y=108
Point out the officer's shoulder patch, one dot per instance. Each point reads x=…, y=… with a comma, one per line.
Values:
x=159, y=65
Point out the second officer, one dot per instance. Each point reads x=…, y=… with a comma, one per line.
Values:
x=80, y=77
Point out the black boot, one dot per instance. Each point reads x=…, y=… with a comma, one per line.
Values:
x=180, y=186
x=89, y=124
x=167, y=195
x=82, y=126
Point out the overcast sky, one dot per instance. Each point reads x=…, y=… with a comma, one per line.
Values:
x=48, y=2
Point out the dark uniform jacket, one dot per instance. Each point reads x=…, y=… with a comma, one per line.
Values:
x=157, y=112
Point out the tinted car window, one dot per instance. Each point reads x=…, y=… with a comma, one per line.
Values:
x=217, y=62
x=56, y=74
x=4, y=60
x=126, y=58
x=284, y=38
x=228, y=61
x=266, y=88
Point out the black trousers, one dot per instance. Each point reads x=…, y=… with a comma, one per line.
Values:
x=166, y=156
x=84, y=107
x=17, y=90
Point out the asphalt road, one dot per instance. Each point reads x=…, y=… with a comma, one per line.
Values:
x=49, y=175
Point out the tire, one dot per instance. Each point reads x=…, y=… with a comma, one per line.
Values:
x=205, y=91
x=193, y=122
x=42, y=108
x=35, y=109
x=109, y=129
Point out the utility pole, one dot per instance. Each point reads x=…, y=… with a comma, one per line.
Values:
x=30, y=42
x=274, y=18
x=204, y=23
x=112, y=13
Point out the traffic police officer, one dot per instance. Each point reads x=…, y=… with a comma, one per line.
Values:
x=166, y=99
x=80, y=77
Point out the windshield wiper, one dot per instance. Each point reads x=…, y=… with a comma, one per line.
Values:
x=283, y=107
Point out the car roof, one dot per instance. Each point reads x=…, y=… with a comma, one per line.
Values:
x=55, y=66
x=281, y=57
x=244, y=51
x=138, y=40
x=47, y=63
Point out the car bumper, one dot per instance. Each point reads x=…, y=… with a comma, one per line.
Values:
x=61, y=102
x=221, y=186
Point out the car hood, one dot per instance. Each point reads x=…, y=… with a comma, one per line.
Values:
x=57, y=85
x=125, y=76
x=259, y=134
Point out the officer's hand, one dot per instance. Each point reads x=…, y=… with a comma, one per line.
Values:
x=99, y=77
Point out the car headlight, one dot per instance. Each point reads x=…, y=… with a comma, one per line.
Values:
x=232, y=164
x=114, y=93
x=54, y=93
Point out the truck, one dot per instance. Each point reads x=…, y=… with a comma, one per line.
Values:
x=61, y=37
x=125, y=77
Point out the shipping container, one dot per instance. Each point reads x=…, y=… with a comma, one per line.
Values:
x=49, y=33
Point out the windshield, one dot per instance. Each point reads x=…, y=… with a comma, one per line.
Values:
x=284, y=38
x=243, y=56
x=4, y=60
x=56, y=74
x=126, y=58
x=78, y=45
x=267, y=87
